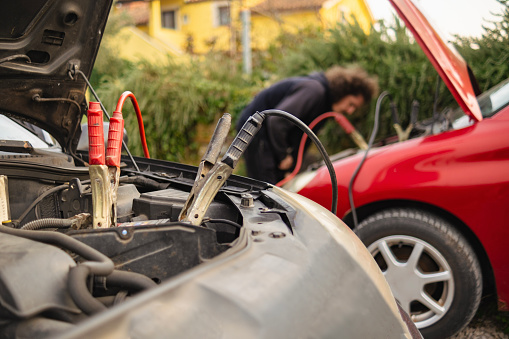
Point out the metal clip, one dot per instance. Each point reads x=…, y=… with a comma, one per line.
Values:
x=194, y=208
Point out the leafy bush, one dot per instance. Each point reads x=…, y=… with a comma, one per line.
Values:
x=488, y=55
x=174, y=98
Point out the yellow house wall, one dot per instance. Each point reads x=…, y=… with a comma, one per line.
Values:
x=200, y=26
x=265, y=29
x=172, y=37
x=334, y=11
x=138, y=45
x=134, y=47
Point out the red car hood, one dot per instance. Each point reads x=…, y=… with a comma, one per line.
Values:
x=449, y=64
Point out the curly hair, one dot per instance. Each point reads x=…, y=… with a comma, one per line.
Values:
x=352, y=80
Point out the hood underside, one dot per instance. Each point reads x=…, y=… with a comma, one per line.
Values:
x=451, y=67
x=42, y=45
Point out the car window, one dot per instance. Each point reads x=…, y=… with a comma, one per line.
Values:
x=490, y=103
x=494, y=99
x=13, y=131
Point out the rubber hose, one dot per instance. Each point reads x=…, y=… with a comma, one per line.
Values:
x=144, y=182
x=77, y=285
x=129, y=280
x=47, y=223
x=107, y=300
x=99, y=265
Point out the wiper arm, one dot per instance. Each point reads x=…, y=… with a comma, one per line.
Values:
x=16, y=146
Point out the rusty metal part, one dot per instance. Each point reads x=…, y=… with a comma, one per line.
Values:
x=205, y=192
x=114, y=176
x=5, y=212
x=208, y=161
x=81, y=220
x=101, y=196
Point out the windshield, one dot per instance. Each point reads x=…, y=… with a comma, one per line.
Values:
x=490, y=103
x=13, y=131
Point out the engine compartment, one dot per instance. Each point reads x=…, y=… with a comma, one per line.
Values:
x=48, y=271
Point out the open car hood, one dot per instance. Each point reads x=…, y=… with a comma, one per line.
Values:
x=48, y=40
x=451, y=66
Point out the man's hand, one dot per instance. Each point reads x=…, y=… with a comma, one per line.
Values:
x=286, y=163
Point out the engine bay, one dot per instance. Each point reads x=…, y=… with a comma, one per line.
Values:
x=50, y=201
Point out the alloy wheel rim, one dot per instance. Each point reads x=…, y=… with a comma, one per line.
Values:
x=419, y=276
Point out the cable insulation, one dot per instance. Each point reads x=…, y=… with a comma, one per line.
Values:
x=304, y=128
x=370, y=144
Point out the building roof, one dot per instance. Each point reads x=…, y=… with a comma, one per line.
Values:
x=193, y=1
x=139, y=11
x=287, y=5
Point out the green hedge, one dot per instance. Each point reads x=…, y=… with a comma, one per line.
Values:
x=174, y=98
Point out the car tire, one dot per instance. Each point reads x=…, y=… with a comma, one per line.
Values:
x=431, y=268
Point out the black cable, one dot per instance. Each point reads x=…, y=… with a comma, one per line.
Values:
x=38, y=200
x=42, y=196
x=153, y=176
x=107, y=115
x=370, y=144
x=304, y=128
x=435, y=105
x=222, y=221
x=14, y=57
x=142, y=181
x=38, y=98
x=75, y=157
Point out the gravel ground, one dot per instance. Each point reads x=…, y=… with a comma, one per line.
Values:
x=488, y=323
x=487, y=329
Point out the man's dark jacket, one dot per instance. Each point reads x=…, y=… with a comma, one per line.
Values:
x=304, y=97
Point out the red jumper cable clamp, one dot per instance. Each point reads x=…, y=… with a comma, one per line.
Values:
x=104, y=169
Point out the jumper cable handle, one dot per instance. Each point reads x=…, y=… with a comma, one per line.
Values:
x=206, y=187
x=95, y=134
x=115, y=136
x=243, y=139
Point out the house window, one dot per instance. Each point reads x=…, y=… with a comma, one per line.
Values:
x=223, y=13
x=169, y=19
x=343, y=13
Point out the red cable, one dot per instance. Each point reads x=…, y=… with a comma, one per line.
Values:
x=120, y=104
x=340, y=119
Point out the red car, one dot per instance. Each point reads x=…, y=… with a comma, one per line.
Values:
x=433, y=210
